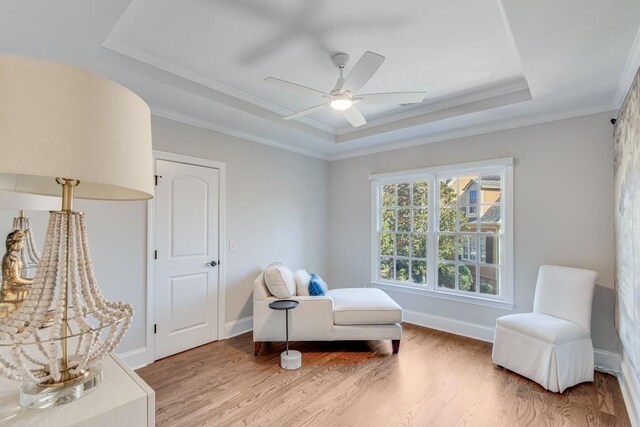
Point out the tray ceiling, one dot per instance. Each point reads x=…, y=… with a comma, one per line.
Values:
x=443, y=48
x=484, y=64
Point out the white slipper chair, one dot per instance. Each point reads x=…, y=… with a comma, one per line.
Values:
x=551, y=346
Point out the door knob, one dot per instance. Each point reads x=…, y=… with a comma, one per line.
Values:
x=212, y=263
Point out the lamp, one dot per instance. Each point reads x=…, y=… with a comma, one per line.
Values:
x=64, y=131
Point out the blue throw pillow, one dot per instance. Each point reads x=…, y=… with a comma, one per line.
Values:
x=317, y=286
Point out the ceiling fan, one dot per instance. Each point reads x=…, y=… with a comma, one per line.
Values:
x=344, y=95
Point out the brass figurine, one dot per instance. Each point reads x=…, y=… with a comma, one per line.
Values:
x=29, y=254
x=15, y=287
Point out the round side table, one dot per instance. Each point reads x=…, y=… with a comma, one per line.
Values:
x=289, y=359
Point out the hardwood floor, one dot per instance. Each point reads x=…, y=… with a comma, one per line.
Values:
x=437, y=379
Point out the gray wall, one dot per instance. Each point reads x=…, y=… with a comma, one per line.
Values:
x=563, y=181
x=276, y=205
x=315, y=214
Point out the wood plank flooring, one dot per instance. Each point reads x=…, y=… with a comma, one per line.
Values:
x=437, y=379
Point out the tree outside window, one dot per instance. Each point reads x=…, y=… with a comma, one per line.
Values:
x=455, y=250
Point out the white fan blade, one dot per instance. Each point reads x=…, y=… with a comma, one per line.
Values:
x=305, y=112
x=362, y=72
x=354, y=116
x=393, y=98
x=294, y=86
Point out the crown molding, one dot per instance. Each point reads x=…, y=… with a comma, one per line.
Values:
x=469, y=131
x=205, y=124
x=480, y=129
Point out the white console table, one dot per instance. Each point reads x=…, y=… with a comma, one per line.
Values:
x=122, y=399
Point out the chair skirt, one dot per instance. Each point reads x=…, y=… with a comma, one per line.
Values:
x=555, y=366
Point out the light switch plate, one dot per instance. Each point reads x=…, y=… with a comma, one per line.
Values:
x=232, y=246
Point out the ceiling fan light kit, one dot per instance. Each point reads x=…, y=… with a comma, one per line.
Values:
x=344, y=95
x=341, y=104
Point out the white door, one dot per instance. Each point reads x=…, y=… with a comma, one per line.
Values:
x=187, y=223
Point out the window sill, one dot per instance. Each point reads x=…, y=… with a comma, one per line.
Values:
x=467, y=299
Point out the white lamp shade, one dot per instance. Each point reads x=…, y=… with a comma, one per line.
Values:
x=58, y=121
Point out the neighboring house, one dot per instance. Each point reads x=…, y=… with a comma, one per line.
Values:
x=480, y=211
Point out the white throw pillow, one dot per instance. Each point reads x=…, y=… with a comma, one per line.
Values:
x=279, y=280
x=302, y=282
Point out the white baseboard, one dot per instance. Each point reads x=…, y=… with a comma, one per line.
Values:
x=237, y=327
x=605, y=361
x=630, y=387
x=135, y=359
x=447, y=324
x=140, y=357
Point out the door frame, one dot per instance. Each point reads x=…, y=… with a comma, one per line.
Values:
x=151, y=243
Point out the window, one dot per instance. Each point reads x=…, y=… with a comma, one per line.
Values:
x=445, y=230
x=473, y=196
x=403, y=235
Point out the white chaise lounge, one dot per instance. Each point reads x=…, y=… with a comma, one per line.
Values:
x=342, y=314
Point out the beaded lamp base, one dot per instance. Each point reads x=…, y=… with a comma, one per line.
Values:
x=36, y=396
x=65, y=326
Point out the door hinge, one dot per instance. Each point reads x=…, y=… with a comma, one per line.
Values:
x=155, y=328
x=156, y=178
x=155, y=254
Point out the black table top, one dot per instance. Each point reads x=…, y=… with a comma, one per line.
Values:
x=283, y=304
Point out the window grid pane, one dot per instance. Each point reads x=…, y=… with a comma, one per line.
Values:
x=403, y=232
x=470, y=211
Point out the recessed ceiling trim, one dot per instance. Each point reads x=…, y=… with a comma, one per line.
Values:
x=341, y=135
x=454, y=100
x=153, y=75
x=169, y=67
x=522, y=95
x=510, y=36
x=389, y=123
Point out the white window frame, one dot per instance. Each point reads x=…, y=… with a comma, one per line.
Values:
x=503, y=167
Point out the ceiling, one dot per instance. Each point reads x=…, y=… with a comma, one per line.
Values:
x=484, y=64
